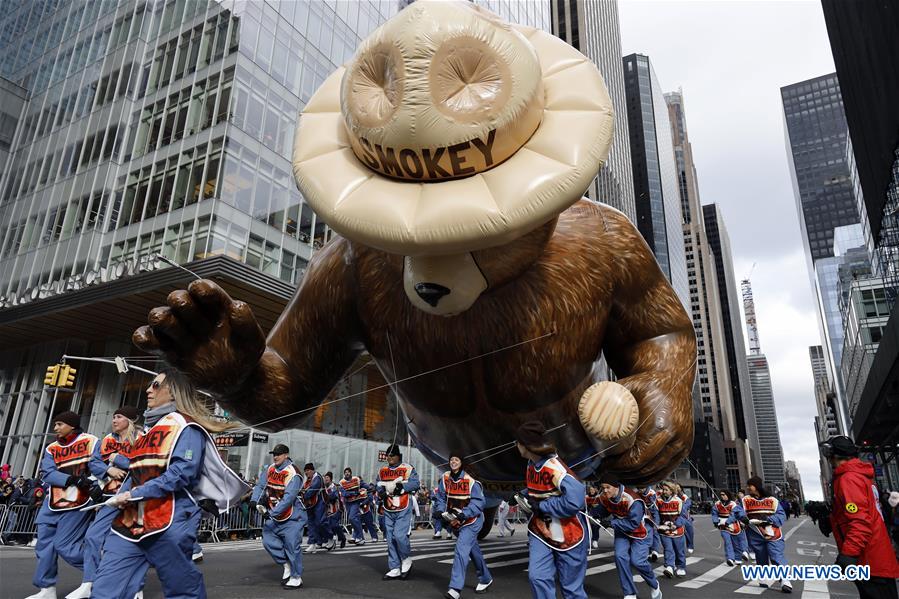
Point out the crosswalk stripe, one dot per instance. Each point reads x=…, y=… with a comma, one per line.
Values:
x=752, y=588
x=378, y=551
x=709, y=577
x=658, y=571
x=815, y=589
x=487, y=556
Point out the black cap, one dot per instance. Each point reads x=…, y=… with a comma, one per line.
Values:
x=280, y=449
x=393, y=450
x=610, y=479
x=68, y=417
x=839, y=446
x=531, y=433
x=309, y=466
x=129, y=412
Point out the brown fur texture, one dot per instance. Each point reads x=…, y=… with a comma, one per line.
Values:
x=595, y=286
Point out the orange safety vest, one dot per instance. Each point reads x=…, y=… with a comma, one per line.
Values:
x=71, y=459
x=724, y=513
x=354, y=484
x=388, y=474
x=759, y=509
x=669, y=511
x=332, y=506
x=150, y=456
x=560, y=534
x=276, y=484
x=458, y=493
x=108, y=446
x=311, y=503
x=622, y=509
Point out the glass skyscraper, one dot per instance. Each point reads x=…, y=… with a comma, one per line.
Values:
x=156, y=127
x=656, y=182
x=592, y=28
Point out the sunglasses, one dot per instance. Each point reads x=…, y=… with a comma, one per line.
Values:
x=156, y=384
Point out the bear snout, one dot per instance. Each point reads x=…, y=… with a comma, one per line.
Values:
x=431, y=293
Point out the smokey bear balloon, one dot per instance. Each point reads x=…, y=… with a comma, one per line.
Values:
x=451, y=155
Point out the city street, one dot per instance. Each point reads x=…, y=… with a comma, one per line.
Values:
x=242, y=569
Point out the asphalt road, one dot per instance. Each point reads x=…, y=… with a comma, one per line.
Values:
x=242, y=569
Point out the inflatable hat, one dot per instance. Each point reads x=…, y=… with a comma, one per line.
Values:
x=451, y=131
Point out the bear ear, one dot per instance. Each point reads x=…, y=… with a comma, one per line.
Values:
x=503, y=263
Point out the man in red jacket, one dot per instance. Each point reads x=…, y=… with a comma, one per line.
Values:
x=858, y=527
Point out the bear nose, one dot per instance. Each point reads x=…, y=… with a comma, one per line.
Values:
x=431, y=292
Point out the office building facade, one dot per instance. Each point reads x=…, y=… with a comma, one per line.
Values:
x=863, y=40
x=656, y=183
x=770, y=448
x=592, y=28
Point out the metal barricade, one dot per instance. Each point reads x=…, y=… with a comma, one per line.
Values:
x=17, y=523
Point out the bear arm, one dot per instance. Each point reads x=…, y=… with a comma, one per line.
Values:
x=310, y=347
x=651, y=346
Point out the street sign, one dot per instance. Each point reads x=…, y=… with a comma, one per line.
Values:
x=260, y=438
x=226, y=440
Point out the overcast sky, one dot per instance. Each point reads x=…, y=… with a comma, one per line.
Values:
x=731, y=59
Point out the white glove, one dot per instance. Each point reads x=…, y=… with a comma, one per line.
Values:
x=260, y=508
x=756, y=522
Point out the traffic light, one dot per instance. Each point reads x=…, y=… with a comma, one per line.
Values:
x=52, y=375
x=66, y=376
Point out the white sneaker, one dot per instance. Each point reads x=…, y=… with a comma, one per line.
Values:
x=730, y=562
x=310, y=549
x=294, y=582
x=360, y=542
x=786, y=586
x=331, y=545
x=139, y=595
x=680, y=573
x=82, y=592
x=668, y=572
x=286, y=574
x=392, y=575
x=654, y=556
x=405, y=567
x=436, y=535
x=46, y=593
x=656, y=593
x=689, y=551
x=752, y=556
x=197, y=557
x=595, y=544
x=452, y=594
x=482, y=587
x=630, y=597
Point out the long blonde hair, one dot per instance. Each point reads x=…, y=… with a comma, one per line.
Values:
x=130, y=434
x=187, y=402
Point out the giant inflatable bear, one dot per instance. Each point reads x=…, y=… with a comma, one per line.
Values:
x=451, y=155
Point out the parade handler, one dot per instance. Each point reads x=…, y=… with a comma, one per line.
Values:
x=632, y=525
x=857, y=525
x=763, y=516
x=557, y=528
x=451, y=155
x=725, y=520
x=672, y=524
x=355, y=496
x=61, y=525
x=276, y=497
x=173, y=466
x=460, y=501
x=395, y=482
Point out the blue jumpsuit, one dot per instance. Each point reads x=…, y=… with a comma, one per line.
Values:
x=58, y=533
x=283, y=540
x=467, y=544
x=688, y=524
x=368, y=518
x=733, y=543
x=332, y=518
x=765, y=551
x=352, y=501
x=124, y=563
x=312, y=492
x=632, y=541
x=674, y=544
x=435, y=514
x=398, y=521
x=649, y=500
x=99, y=528
x=544, y=561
